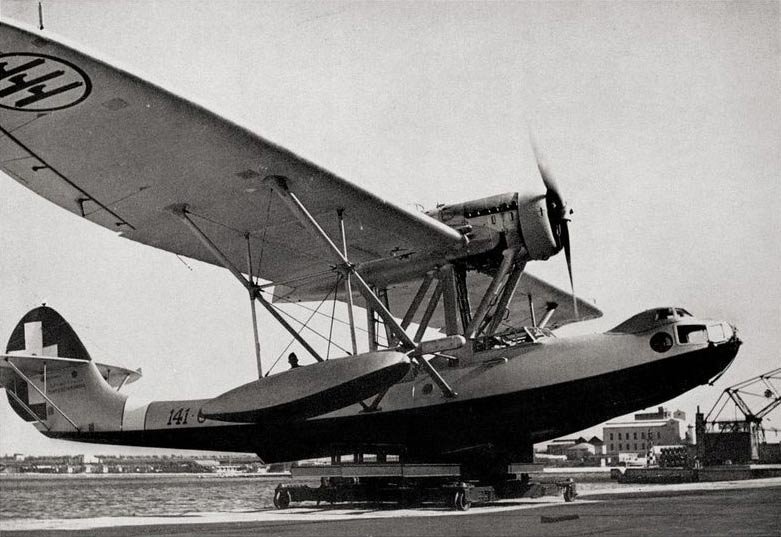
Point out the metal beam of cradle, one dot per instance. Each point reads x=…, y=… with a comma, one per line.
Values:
x=298, y=209
x=42, y=394
x=255, y=291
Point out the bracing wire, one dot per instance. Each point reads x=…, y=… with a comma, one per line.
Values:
x=304, y=324
x=263, y=238
x=294, y=303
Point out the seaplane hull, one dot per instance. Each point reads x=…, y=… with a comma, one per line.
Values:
x=508, y=399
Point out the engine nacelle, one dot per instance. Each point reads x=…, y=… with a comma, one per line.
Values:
x=537, y=228
x=504, y=221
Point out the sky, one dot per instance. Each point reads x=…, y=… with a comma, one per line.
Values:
x=661, y=122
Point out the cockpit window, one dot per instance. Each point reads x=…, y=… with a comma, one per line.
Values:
x=651, y=318
x=716, y=333
x=692, y=334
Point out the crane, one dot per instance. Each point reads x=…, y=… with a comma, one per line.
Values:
x=762, y=391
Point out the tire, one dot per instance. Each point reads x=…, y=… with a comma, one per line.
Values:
x=282, y=499
x=460, y=503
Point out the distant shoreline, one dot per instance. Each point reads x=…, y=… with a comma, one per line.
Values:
x=140, y=475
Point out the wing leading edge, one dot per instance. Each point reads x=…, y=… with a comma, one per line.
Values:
x=118, y=150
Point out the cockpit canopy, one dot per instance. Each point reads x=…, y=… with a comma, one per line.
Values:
x=649, y=319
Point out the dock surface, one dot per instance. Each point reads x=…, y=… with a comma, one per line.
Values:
x=713, y=509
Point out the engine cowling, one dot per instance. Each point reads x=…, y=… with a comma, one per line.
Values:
x=508, y=220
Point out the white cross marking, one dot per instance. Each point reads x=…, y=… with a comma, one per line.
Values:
x=33, y=340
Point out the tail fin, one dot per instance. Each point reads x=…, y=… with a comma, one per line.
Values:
x=51, y=379
x=43, y=332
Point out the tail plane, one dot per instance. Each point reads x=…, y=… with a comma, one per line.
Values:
x=51, y=379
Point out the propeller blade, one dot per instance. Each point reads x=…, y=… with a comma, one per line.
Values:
x=547, y=178
x=568, y=255
x=560, y=213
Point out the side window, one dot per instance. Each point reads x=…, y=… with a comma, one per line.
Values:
x=692, y=334
x=716, y=333
x=661, y=342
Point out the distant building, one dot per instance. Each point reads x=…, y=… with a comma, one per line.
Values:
x=638, y=437
x=575, y=449
x=560, y=445
x=599, y=445
x=661, y=413
x=581, y=451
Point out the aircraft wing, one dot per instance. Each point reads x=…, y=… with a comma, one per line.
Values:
x=542, y=295
x=119, y=151
x=118, y=376
x=400, y=295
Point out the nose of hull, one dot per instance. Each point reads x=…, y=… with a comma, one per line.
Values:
x=721, y=355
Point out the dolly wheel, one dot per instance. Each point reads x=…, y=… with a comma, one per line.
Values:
x=282, y=499
x=460, y=502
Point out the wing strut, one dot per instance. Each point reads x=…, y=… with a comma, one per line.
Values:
x=508, y=260
x=298, y=209
x=413, y=307
x=254, y=313
x=502, y=308
x=548, y=314
x=347, y=284
x=432, y=306
x=448, y=279
x=180, y=211
x=26, y=408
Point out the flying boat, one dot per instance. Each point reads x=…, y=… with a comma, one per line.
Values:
x=160, y=170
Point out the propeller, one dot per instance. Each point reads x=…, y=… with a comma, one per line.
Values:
x=559, y=215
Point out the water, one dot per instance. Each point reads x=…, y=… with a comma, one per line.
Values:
x=39, y=496
x=82, y=496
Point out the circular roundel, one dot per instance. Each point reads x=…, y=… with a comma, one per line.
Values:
x=40, y=83
x=661, y=342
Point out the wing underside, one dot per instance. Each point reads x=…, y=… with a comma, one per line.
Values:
x=119, y=151
x=532, y=294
